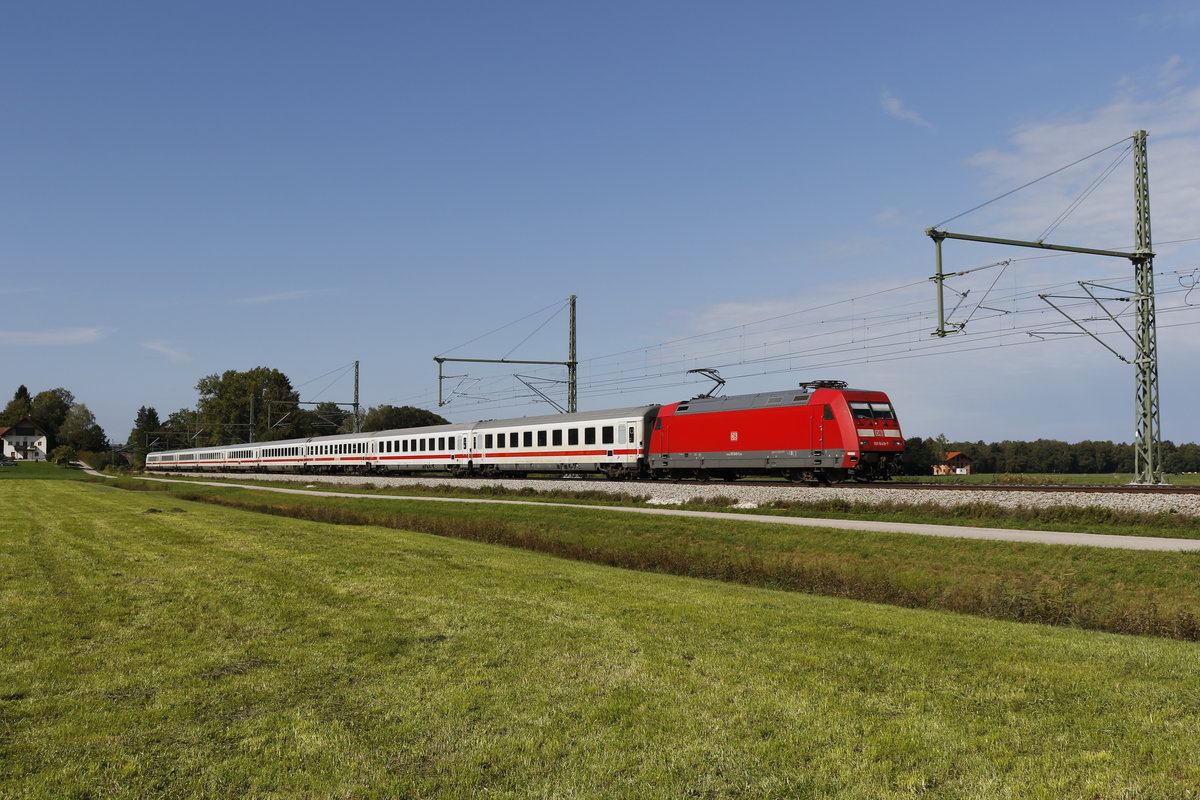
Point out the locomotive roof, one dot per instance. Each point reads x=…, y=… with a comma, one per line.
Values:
x=566, y=419
x=740, y=402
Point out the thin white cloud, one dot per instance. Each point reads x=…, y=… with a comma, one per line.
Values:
x=172, y=353
x=1171, y=116
x=280, y=297
x=62, y=336
x=890, y=215
x=894, y=107
x=1181, y=15
x=1173, y=72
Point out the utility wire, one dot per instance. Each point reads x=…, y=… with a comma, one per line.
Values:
x=1086, y=193
x=502, y=327
x=1031, y=183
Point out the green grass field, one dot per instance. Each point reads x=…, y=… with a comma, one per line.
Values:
x=1034, y=583
x=155, y=647
x=38, y=470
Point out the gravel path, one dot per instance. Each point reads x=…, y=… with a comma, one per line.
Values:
x=668, y=494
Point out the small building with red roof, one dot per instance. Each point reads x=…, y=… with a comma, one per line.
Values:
x=954, y=464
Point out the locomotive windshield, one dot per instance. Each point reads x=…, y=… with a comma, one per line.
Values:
x=872, y=411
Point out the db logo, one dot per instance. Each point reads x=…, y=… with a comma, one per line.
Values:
x=733, y=436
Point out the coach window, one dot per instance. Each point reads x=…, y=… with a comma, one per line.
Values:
x=541, y=438
x=556, y=437
x=606, y=434
x=441, y=443
x=512, y=439
x=487, y=441
x=573, y=436
x=589, y=435
x=501, y=439
x=621, y=438
x=527, y=439
x=631, y=437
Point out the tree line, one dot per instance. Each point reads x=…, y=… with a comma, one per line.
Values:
x=1044, y=456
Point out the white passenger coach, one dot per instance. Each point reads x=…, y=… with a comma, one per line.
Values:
x=612, y=442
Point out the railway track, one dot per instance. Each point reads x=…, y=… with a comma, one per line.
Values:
x=897, y=486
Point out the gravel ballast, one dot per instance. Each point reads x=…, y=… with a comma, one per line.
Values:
x=745, y=496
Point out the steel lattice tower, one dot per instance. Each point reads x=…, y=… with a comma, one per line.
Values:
x=1147, y=449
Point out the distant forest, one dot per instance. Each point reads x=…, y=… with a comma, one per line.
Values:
x=1044, y=455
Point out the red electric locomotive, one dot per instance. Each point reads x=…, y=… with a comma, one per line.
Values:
x=823, y=432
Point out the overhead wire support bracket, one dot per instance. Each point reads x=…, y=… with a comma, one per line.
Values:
x=572, y=365
x=528, y=381
x=1046, y=298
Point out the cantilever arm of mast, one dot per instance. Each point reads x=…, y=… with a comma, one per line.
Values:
x=938, y=236
x=441, y=360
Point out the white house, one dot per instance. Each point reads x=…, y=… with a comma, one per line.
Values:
x=24, y=441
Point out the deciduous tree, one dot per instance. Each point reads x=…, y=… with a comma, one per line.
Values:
x=80, y=431
x=21, y=405
x=258, y=404
x=385, y=418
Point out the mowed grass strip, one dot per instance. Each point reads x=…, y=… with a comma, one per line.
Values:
x=1143, y=593
x=175, y=649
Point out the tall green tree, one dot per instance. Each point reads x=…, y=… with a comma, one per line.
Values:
x=80, y=431
x=145, y=425
x=256, y=405
x=21, y=405
x=50, y=409
x=178, y=431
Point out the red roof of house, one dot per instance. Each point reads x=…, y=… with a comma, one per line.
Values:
x=24, y=422
x=950, y=456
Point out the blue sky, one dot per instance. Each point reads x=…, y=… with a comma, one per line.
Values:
x=191, y=188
